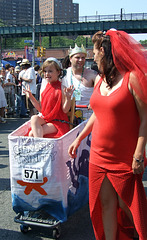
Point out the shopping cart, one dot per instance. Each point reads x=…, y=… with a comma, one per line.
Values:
x=47, y=186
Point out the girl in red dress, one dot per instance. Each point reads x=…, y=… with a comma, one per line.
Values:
x=117, y=199
x=53, y=105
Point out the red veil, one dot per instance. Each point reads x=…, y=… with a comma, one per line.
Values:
x=129, y=55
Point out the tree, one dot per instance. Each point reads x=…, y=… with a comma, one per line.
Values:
x=143, y=41
x=56, y=42
x=1, y=23
x=86, y=41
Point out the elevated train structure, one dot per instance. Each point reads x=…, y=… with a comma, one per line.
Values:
x=131, y=23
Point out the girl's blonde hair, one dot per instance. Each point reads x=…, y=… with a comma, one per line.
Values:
x=52, y=62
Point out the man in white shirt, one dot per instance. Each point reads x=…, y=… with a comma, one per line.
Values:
x=28, y=77
x=82, y=78
x=10, y=89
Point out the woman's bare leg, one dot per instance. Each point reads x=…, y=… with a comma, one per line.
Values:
x=125, y=208
x=109, y=201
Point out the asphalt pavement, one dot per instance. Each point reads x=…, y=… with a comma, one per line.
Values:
x=77, y=227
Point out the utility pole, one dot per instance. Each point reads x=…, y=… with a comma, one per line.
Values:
x=33, y=36
x=121, y=13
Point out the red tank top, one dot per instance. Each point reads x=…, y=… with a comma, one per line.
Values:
x=115, y=130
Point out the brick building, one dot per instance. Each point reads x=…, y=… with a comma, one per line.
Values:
x=57, y=11
x=48, y=11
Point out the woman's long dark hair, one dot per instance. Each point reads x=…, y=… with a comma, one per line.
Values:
x=109, y=70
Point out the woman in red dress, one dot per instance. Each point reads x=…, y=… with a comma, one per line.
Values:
x=53, y=105
x=117, y=199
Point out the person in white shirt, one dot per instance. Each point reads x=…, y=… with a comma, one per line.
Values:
x=28, y=77
x=3, y=102
x=23, y=109
x=9, y=88
x=82, y=78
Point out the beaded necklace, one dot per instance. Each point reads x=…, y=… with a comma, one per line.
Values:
x=80, y=78
x=77, y=92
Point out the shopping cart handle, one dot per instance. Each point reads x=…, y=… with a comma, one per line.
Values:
x=81, y=106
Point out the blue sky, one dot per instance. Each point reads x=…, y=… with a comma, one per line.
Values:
x=107, y=7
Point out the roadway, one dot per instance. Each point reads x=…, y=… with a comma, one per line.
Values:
x=78, y=226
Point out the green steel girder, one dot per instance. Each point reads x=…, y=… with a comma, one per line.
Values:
x=80, y=28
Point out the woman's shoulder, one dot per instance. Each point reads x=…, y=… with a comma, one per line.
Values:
x=98, y=79
x=132, y=76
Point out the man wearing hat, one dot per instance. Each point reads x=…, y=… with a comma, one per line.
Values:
x=80, y=77
x=28, y=79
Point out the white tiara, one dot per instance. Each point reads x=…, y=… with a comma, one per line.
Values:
x=54, y=60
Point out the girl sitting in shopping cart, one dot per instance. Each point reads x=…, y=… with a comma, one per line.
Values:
x=54, y=104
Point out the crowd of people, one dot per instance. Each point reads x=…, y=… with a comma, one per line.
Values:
x=13, y=101
x=116, y=93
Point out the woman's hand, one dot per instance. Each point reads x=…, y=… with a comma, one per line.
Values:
x=137, y=167
x=73, y=147
x=85, y=132
x=89, y=107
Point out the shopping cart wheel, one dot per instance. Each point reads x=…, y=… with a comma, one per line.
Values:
x=24, y=228
x=56, y=232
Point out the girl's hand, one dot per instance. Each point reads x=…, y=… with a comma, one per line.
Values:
x=68, y=92
x=27, y=91
x=73, y=147
x=137, y=167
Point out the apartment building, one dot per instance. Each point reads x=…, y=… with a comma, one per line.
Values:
x=46, y=11
x=58, y=11
x=18, y=11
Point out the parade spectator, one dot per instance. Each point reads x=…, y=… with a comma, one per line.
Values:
x=23, y=108
x=7, y=68
x=65, y=64
x=3, y=102
x=3, y=74
x=28, y=77
x=9, y=88
x=95, y=67
x=16, y=74
x=37, y=72
x=117, y=199
x=17, y=91
x=53, y=103
x=38, y=80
